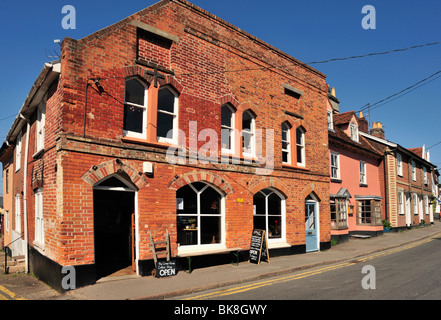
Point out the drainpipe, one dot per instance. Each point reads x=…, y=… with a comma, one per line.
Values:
x=25, y=193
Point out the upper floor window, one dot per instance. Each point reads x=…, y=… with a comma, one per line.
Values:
x=18, y=152
x=248, y=134
x=335, y=165
x=300, y=141
x=425, y=175
x=135, y=108
x=286, y=143
x=399, y=165
x=354, y=132
x=330, y=120
x=227, y=129
x=41, y=120
x=363, y=179
x=413, y=170
x=166, y=129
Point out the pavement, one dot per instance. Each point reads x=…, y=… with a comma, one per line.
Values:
x=149, y=288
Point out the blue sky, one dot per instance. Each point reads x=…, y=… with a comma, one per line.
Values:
x=309, y=30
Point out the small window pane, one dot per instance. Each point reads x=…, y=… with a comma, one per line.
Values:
x=226, y=115
x=210, y=201
x=135, y=92
x=210, y=230
x=165, y=124
x=133, y=118
x=189, y=198
x=226, y=138
x=166, y=100
x=246, y=121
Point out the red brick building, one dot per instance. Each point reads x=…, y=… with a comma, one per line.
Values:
x=97, y=142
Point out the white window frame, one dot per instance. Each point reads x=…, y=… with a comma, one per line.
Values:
x=40, y=124
x=425, y=175
x=17, y=213
x=231, y=130
x=251, y=133
x=301, y=145
x=335, y=164
x=426, y=205
x=413, y=164
x=354, y=132
x=399, y=165
x=330, y=120
x=287, y=128
x=132, y=134
x=282, y=238
x=415, y=203
x=18, y=151
x=363, y=173
x=401, y=202
x=39, y=220
x=186, y=249
x=174, y=137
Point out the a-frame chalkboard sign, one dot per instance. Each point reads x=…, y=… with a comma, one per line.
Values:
x=258, y=247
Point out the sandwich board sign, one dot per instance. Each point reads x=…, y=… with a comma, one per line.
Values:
x=258, y=247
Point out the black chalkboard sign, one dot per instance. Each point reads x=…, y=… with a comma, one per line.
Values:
x=166, y=269
x=258, y=247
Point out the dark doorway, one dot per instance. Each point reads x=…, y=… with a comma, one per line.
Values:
x=113, y=230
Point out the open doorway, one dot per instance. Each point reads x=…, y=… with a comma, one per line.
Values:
x=114, y=207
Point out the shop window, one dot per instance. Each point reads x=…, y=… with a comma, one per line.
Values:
x=199, y=215
x=339, y=213
x=269, y=213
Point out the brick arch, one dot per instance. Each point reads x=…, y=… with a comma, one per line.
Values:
x=248, y=106
x=287, y=119
x=138, y=71
x=270, y=183
x=301, y=123
x=203, y=176
x=105, y=169
x=308, y=190
x=229, y=99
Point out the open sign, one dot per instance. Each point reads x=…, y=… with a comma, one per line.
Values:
x=166, y=269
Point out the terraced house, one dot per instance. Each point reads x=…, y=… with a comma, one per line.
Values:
x=171, y=124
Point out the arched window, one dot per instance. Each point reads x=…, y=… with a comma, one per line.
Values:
x=286, y=143
x=269, y=213
x=199, y=215
x=167, y=115
x=248, y=134
x=135, y=108
x=300, y=141
x=227, y=129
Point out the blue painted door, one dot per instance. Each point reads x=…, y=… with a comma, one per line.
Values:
x=311, y=235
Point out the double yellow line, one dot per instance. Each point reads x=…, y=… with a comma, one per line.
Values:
x=260, y=284
x=6, y=294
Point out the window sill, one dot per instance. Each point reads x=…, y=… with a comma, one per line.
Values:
x=38, y=154
x=148, y=143
x=293, y=166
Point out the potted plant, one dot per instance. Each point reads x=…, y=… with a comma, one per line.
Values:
x=422, y=223
x=192, y=223
x=386, y=226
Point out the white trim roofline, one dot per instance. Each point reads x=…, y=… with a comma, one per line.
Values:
x=388, y=143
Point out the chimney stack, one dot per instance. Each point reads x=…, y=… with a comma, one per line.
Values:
x=362, y=123
x=377, y=130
